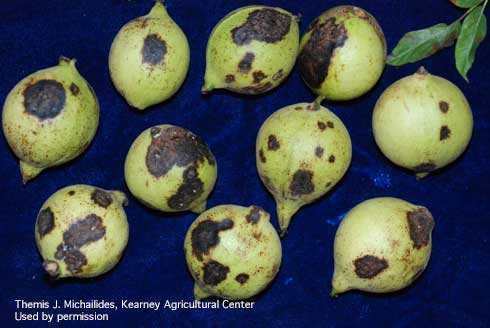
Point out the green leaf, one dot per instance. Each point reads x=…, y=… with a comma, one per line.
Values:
x=466, y=3
x=417, y=45
x=472, y=33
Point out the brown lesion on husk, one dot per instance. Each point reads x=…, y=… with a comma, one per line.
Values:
x=45, y=222
x=206, y=236
x=272, y=143
x=253, y=216
x=262, y=156
x=443, y=106
x=302, y=183
x=44, y=99
x=315, y=57
x=83, y=231
x=420, y=223
x=319, y=152
x=245, y=64
x=444, y=133
x=279, y=74
x=101, y=197
x=242, y=278
x=175, y=146
x=189, y=191
x=75, y=90
x=214, y=272
x=256, y=89
x=331, y=159
x=369, y=266
x=258, y=76
x=265, y=25
x=229, y=78
x=424, y=167
x=154, y=50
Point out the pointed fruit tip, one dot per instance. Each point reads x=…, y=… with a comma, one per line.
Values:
x=52, y=268
x=422, y=71
x=199, y=294
x=198, y=209
x=334, y=293
x=121, y=197
x=421, y=175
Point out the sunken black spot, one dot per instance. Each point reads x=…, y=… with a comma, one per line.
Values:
x=262, y=156
x=319, y=152
x=101, y=197
x=245, y=65
x=444, y=133
x=230, y=78
x=331, y=159
x=45, y=222
x=279, y=74
x=214, y=273
x=273, y=143
x=420, y=223
x=175, y=146
x=154, y=50
x=444, y=106
x=258, y=76
x=424, y=167
x=206, y=236
x=314, y=59
x=369, y=266
x=330, y=124
x=80, y=233
x=44, y=99
x=190, y=190
x=74, y=89
x=242, y=278
x=254, y=216
x=265, y=25
x=302, y=183
x=321, y=125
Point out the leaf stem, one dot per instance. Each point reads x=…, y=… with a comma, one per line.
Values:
x=471, y=9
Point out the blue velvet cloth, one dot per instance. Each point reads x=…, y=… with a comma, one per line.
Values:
x=452, y=292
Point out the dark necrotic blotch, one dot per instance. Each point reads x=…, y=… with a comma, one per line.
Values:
x=206, y=236
x=278, y=75
x=101, y=197
x=319, y=152
x=420, y=223
x=44, y=99
x=265, y=25
x=190, y=190
x=254, y=215
x=302, y=183
x=272, y=143
x=321, y=125
x=258, y=76
x=315, y=57
x=74, y=89
x=71, y=192
x=214, y=273
x=331, y=159
x=257, y=89
x=175, y=146
x=245, y=65
x=45, y=222
x=369, y=266
x=444, y=133
x=443, y=106
x=242, y=278
x=229, y=78
x=154, y=49
x=424, y=167
x=82, y=232
x=330, y=124
x=262, y=156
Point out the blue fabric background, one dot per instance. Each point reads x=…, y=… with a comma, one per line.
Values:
x=452, y=292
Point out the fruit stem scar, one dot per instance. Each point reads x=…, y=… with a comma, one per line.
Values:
x=52, y=268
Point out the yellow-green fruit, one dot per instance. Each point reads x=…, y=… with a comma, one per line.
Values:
x=382, y=245
x=422, y=122
x=232, y=252
x=50, y=117
x=149, y=58
x=170, y=169
x=82, y=231
x=342, y=54
x=302, y=151
x=251, y=50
